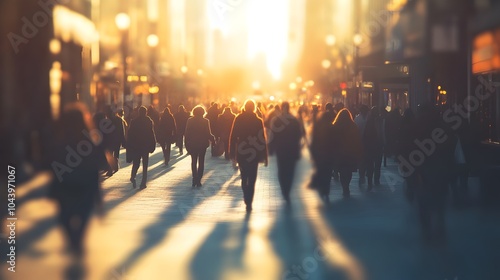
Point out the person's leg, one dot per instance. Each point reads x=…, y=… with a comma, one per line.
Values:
x=194, y=167
x=145, y=163
x=370, y=168
x=168, y=147
x=345, y=180
x=201, y=165
x=244, y=180
x=226, y=148
x=377, y=167
x=163, y=147
x=362, y=171
x=135, y=168
x=289, y=169
x=181, y=144
x=282, y=175
x=252, y=178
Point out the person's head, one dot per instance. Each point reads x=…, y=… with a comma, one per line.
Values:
x=227, y=110
x=143, y=111
x=198, y=111
x=108, y=111
x=363, y=110
x=285, y=107
x=181, y=108
x=277, y=108
x=328, y=107
x=339, y=107
x=249, y=106
x=167, y=111
x=343, y=117
x=120, y=112
x=74, y=119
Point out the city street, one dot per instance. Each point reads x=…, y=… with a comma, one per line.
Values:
x=171, y=230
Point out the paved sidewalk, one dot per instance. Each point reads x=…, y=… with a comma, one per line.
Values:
x=173, y=231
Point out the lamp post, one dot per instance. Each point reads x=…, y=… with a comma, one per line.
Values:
x=122, y=21
x=152, y=41
x=357, y=41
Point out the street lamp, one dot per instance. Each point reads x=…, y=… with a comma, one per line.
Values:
x=357, y=41
x=152, y=41
x=122, y=21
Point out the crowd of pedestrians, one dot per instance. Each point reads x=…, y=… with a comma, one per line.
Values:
x=341, y=143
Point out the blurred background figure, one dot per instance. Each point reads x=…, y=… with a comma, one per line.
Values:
x=181, y=117
x=360, y=121
x=287, y=133
x=115, y=138
x=225, y=123
x=248, y=154
x=212, y=115
x=77, y=161
x=373, y=147
x=198, y=137
x=166, y=133
x=346, y=148
x=140, y=143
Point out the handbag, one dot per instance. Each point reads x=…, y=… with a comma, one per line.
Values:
x=218, y=149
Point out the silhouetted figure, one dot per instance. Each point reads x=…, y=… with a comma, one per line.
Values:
x=76, y=166
x=225, y=123
x=320, y=147
x=346, y=148
x=198, y=137
x=286, y=144
x=116, y=137
x=212, y=115
x=248, y=146
x=121, y=114
x=360, y=121
x=181, y=117
x=140, y=143
x=404, y=146
x=373, y=147
x=154, y=115
x=274, y=112
x=166, y=133
x=392, y=124
x=436, y=148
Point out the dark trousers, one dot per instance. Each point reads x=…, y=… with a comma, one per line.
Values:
x=248, y=172
x=116, y=151
x=166, y=147
x=198, y=164
x=373, y=164
x=345, y=180
x=180, y=142
x=226, y=148
x=135, y=166
x=74, y=221
x=286, y=172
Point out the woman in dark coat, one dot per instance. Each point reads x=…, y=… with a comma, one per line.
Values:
x=198, y=137
x=247, y=127
x=181, y=118
x=225, y=122
x=166, y=133
x=346, y=148
x=76, y=166
x=140, y=143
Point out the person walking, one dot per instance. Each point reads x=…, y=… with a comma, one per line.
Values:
x=166, y=133
x=248, y=146
x=77, y=190
x=116, y=137
x=360, y=121
x=140, y=143
x=181, y=117
x=286, y=144
x=373, y=147
x=225, y=123
x=346, y=148
x=198, y=137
